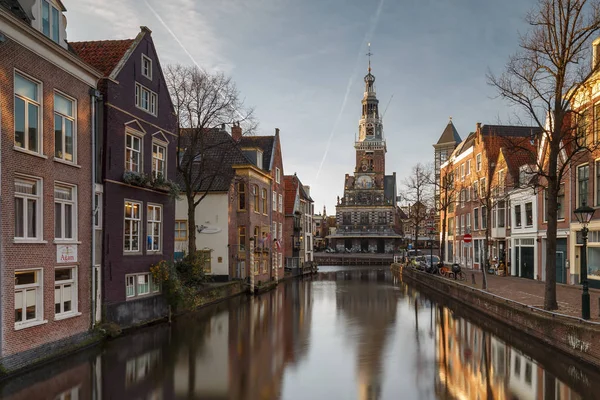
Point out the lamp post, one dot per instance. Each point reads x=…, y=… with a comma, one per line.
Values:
x=584, y=215
x=431, y=237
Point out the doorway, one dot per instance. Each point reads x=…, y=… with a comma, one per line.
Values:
x=527, y=263
x=380, y=246
x=561, y=261
x=348, y=244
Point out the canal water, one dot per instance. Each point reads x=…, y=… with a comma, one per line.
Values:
x=347, y=333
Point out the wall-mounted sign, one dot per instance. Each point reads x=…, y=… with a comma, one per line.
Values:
x=66, y=253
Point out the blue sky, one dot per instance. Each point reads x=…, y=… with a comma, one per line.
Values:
x=300, y=64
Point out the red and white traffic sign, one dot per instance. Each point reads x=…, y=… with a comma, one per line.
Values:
x=467, y=238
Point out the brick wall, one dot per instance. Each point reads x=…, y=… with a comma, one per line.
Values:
x=568, y=335
x=43, y=255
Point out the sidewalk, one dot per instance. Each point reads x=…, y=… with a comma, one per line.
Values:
x=531, y=293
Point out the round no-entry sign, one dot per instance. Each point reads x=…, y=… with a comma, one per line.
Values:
x=467, y=238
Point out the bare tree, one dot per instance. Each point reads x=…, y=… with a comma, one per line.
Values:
x=446, y=202
x=546, y=78
x=418, y=193
x=204, y=104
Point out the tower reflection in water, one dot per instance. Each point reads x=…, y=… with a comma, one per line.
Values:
x=472, y=364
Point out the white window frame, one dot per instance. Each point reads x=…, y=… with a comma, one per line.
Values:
x=259, y=159
x=151, y=223
x=128, y=163
x=38, y=182
x=149, y=104
x=39, y=298
x=274, y=201
x=274, y=230
x=277, y=175
x=156, y=160
x=468, y=167
x=63, y=204
x=133, y=282
x=280, y=197
x=476, y=218
x=73, y=119
x=51, y=21
x=60, y=285
x=132, y=220
x=39, y=104
x=578, y=195
x=178, y=224
x=478, y=162
x=146, y=66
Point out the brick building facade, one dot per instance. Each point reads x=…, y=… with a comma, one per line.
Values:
x=46, y=119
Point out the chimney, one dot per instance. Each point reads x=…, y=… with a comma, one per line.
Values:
x=276, y=131
x=236, y=131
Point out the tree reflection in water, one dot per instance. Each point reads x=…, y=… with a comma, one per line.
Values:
x=376, y=338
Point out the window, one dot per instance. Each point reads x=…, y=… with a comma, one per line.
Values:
x=97, y=210
x=475, y=190
x=256, y=234
x=528, y=214
x=462, y=224
x=468, y=223
x=277, y=175
x=451, y=201
x=181, y=230
x=450, y=225
x=27, y=114
x=483, y=188
x=146, y=66
x=28, y=208
x=597, y=121
x=476, y=219
x=140, y=285
x=274, y=201
x=597, y=181
x=478, y=162
x=483, y=217
x=259, y=159
x=50, y=21
x=462, y=172
x=65, y=213
x=468, y=167
x=133, y=152
x=518, y=216
x=132, y=226
x=154, y=217
x=280, y=203
x=274, y=230
x=28, y=296
x=265, y=204
x=64, y=128
x=241, y=196
x=65, y=291
x=582, y=127
x=255, y=197
x=280, y=231
x=501, y=209
x=560, y=212
x=145, y=99
x=159, y=155
x=242, y=237
x=582, y=184
x=476, y=257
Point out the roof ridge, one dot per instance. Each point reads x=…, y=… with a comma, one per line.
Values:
x=102, y=41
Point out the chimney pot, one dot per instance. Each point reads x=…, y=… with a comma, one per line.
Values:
x=236, y=132
x=276, y=131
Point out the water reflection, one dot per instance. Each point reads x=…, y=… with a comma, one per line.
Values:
x=346, y=334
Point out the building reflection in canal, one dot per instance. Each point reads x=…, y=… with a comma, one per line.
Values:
x=401, y=345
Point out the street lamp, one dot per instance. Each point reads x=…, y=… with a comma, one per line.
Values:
x=431, y=237
x=584, y=215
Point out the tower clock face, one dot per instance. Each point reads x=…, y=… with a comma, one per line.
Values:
x=370, y=129
x=364, y=182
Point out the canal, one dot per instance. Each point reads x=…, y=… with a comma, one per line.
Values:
x=347, y=333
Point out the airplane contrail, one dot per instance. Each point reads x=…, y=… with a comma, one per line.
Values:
x=367, y=38
x=164, y=24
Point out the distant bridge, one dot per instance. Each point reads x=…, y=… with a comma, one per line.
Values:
x=353, y=259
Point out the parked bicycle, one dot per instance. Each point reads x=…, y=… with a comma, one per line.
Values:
x=457, y=273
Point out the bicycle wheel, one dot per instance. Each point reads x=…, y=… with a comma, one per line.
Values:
x=461, y=276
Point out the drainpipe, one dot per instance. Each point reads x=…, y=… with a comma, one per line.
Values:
x=94, y=95
x=251, y=264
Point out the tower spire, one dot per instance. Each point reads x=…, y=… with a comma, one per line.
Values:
x=369, y=54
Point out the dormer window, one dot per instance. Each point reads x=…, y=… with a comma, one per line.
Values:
x=259, y=159
x=50, y=21
x=146, y=66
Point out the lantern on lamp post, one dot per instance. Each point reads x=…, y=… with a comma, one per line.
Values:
x=584, y=215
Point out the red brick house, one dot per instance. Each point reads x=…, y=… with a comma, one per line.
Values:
x=46, y=121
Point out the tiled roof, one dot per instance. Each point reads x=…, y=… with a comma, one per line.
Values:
x=265, y=143
x=15, y=8
x=291, y=187
x=104, y=55
x=214, y=169
x=450, y=135
x=507, y=130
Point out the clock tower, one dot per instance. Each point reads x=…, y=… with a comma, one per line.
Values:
x=367, y=212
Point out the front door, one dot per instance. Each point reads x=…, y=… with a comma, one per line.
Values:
x=380, y=246
x=527, y=262
x=561, y=276
x=517, y=261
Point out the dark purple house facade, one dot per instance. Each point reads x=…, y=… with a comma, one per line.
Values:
x=135, y=160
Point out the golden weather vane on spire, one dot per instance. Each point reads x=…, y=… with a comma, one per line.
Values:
x=369, y=54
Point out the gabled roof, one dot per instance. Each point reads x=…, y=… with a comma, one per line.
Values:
x=104, y=55
x=515, y=158
x=450, y=135
x=15, y=8
x=291, y=190
x=510, y=131
x=215, y=167
x=265, y=143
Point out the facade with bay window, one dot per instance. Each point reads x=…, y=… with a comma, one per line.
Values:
x=135, y=157
x=46, y=120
